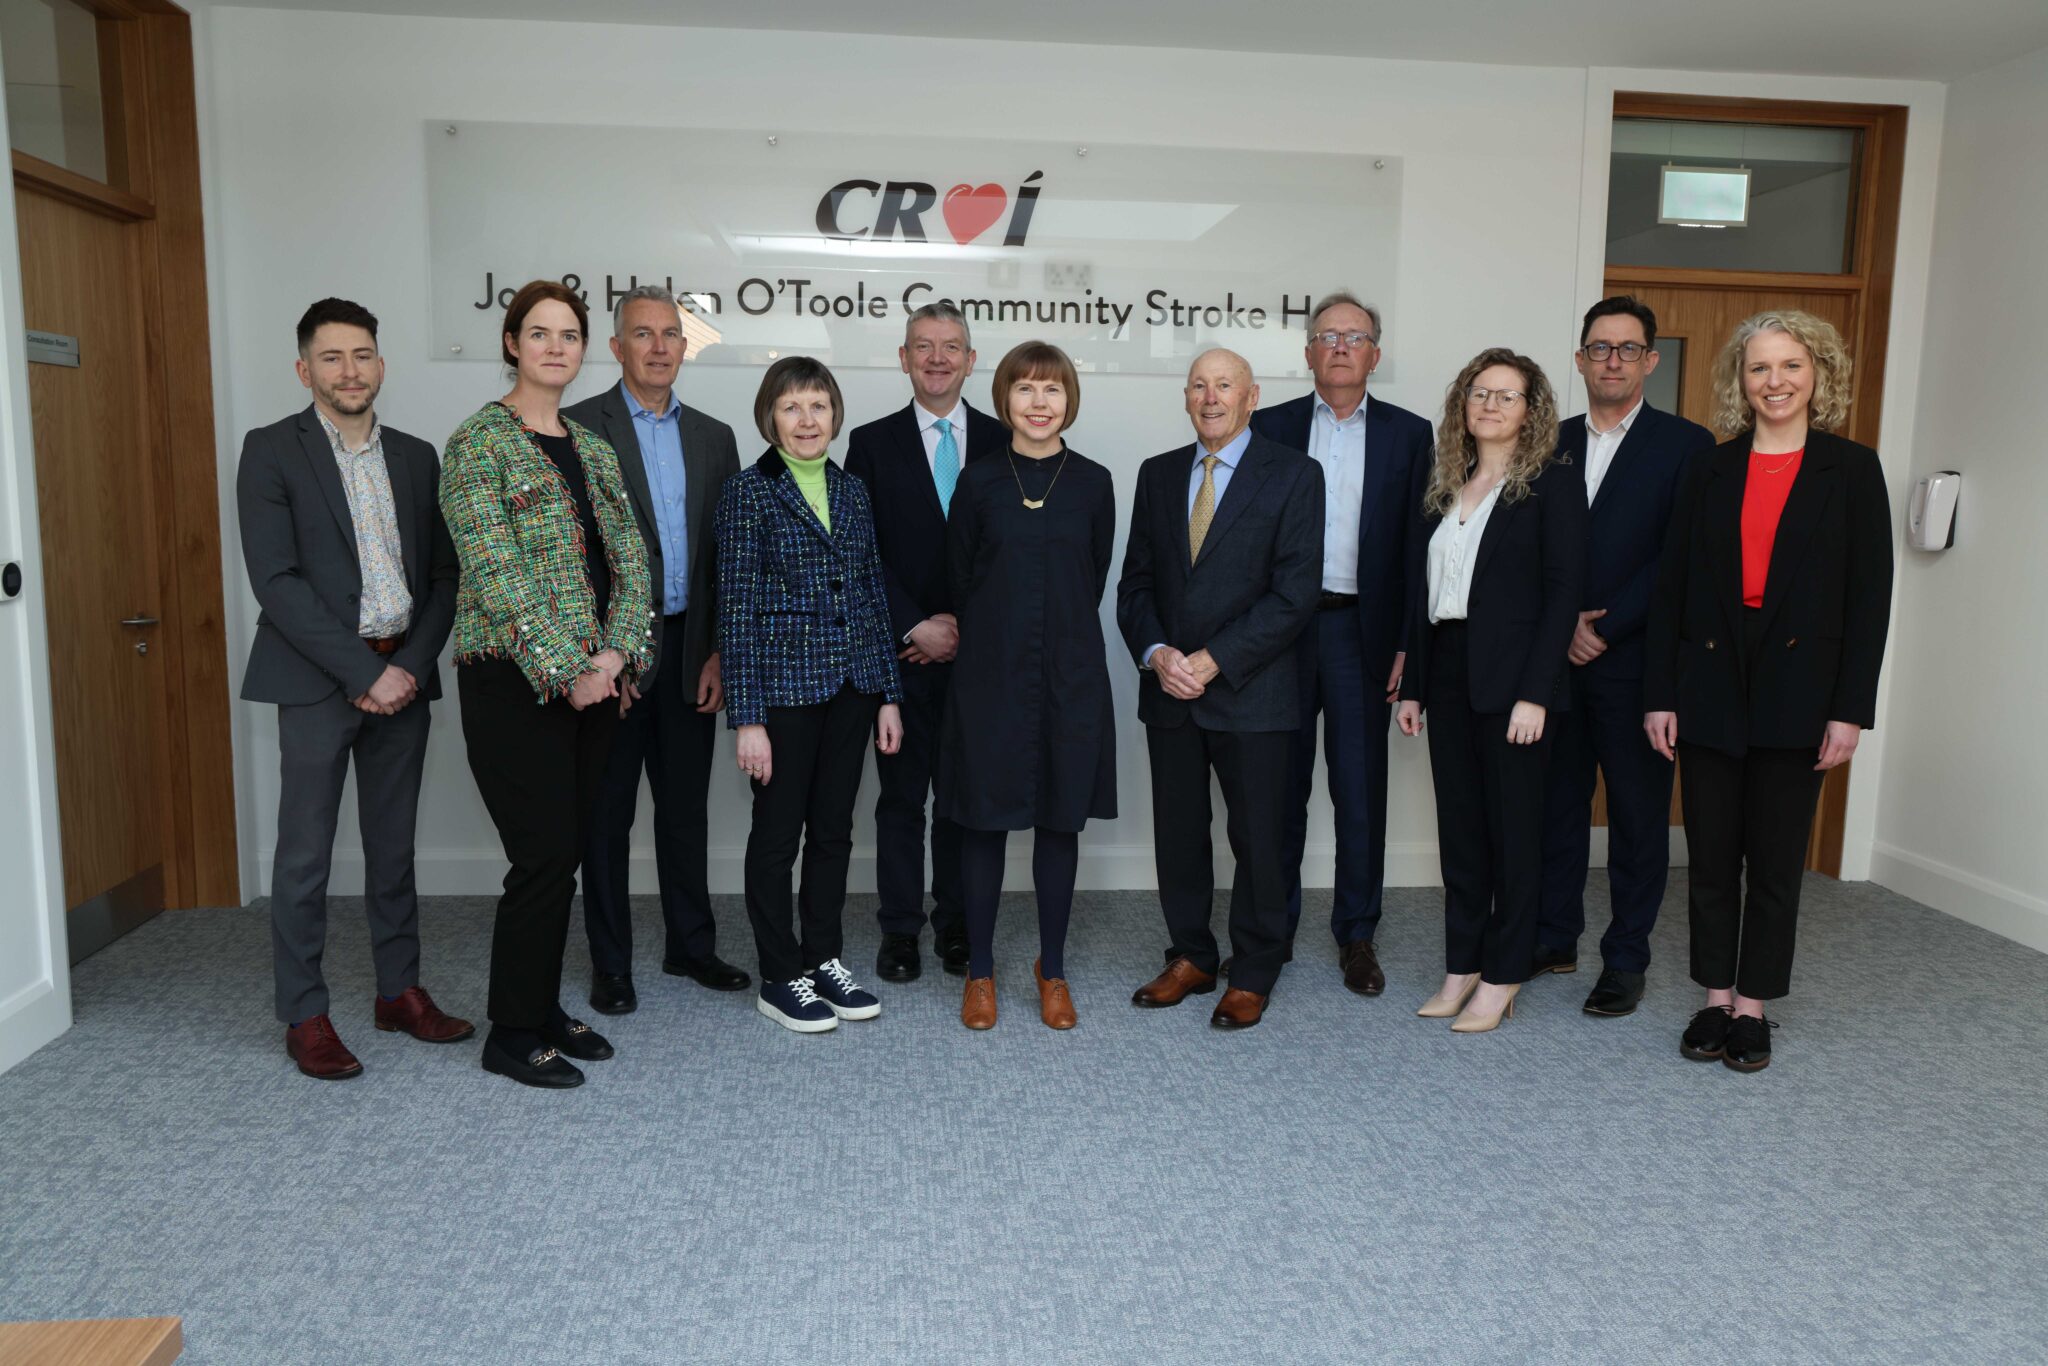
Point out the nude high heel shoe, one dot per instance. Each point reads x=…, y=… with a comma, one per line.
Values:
x=1443, y=1007
x=1468, y=1023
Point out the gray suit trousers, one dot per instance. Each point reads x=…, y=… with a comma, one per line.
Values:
x=315, y=743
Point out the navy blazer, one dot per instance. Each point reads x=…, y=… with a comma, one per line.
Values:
x=1626, y=525
x=1827, y=603
x=1244, y=601
x=801, y=610
x=1399, y=446
x=710, y=457
x=1522, y=604
x=888, y=456
x=299, y=546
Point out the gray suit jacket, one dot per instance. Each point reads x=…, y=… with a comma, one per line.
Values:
x=710, y=457
x=299, y=546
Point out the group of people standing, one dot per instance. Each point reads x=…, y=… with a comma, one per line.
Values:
x=1549, y=601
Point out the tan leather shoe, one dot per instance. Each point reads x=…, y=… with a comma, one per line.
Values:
x=1055, y=1006
x=978, y=1003
x=1239, y=1009
x=1181, y=980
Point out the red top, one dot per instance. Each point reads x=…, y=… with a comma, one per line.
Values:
x=1763, y=502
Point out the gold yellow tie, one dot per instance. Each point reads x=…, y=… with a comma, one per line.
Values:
x=1205, y=508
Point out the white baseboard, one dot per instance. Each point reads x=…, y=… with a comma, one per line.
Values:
x=1989, y=905
x=1104, y=867
x=31, y=1018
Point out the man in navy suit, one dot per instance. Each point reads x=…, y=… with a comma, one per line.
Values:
x=910, y=461
x=1632, y=456
x=1375, y=460
x=1220, y=575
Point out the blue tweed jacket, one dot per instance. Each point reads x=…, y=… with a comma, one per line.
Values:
x=801, y=610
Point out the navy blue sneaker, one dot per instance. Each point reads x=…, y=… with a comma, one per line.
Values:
x=842, y=994
x=795, y=1005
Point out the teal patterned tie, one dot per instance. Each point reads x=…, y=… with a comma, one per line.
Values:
x=946, y=465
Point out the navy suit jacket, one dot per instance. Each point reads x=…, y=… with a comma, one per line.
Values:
x=888, y=456
x=1244, y=601
x=1398, y=450
x=801, y=610
x=1629, y=517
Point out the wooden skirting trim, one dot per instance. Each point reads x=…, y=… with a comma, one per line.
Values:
x=93, y=1342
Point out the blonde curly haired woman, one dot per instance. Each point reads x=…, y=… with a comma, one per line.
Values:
x=1505, y=523
x=1764, y=644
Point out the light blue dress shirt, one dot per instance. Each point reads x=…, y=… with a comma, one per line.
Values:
x=1339, y=447
x=661, y=453
x=1226, y=465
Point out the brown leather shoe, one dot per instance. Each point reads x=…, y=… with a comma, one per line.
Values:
x=319, y=1051
x=1239, y=1009
x=1361, y=966
x=1055, y=1006
x=415, y=1013
x=978, y=1003
x=1181, y=980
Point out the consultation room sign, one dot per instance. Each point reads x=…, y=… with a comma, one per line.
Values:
x=1133, y=258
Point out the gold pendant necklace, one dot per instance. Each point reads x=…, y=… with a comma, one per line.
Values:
x=1783, y=465
x=1036, y=503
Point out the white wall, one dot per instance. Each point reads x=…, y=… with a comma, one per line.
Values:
x=1964, y=800
x=35, y=965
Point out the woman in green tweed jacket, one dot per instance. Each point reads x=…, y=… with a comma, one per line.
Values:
x=550, y=617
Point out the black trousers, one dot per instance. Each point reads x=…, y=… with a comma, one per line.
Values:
x=1055, y=859
x=1489, y=821
x=315, y=743
x=667, y=736
x=1749, y=814
x=817, y=754
x=539, y=768
x=1254, y=769
x=906, y=782
x=1603, y=733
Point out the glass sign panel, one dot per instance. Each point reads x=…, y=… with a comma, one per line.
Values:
x=1133, y=258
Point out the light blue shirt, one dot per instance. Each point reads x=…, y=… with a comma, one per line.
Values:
x=661, y=453
x=1339, y=447
x=1226, y=465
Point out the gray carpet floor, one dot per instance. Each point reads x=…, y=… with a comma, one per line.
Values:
x=1345, y=1183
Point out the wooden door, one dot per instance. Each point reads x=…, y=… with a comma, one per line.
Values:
x=81, y=279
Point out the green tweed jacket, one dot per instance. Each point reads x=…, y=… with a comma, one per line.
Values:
x=524, y=594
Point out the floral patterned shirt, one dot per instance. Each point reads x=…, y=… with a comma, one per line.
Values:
x=386, y=602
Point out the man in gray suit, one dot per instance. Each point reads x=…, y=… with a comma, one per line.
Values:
x=1223, y=569
x=676, y=461
x=352, y=566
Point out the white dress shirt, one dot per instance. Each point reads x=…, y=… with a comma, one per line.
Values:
x=928, y=428
x=1452, y=549
x=1601, y=446
x=1339, y=447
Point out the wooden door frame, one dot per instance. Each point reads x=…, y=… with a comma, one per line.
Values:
x=150, y=112
x=1873, y=261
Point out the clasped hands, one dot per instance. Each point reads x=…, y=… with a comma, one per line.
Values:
x=393, y=691
x=599, y=680
x=935, y=640
x=1184, y=676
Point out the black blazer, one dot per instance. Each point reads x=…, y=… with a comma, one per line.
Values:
x=299, y=546
x=1244, y=601
x=1827, y=603
x=710, y=457
x=1625, y=532
x=1523, y=603
x=888, y=456
x=1398, y=446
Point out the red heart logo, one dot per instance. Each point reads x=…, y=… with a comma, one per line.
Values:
x=970, y=209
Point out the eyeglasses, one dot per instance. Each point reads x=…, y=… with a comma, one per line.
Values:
x=1502, y=398
x=1600, y=351
x=1351, y=340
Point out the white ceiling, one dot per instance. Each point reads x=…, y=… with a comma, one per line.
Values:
x=1918, y=39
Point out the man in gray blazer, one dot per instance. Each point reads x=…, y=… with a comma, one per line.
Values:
x=1222, y=571
x=352, y=566
x=676, y=461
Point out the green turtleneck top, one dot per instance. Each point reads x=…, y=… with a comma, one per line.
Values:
x=810, y=481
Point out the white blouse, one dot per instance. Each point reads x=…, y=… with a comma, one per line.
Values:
x=1452, y=549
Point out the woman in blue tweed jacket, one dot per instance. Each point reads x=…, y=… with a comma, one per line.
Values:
x=810, y=672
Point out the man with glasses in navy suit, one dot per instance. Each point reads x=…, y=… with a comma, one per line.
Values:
x=910, y=461
x=1375, y=460
x=1632, y=456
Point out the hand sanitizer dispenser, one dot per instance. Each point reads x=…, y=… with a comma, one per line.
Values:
x=1931, y=519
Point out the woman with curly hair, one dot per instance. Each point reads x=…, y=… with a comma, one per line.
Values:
x=1504, y=518
x=1764, y=641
